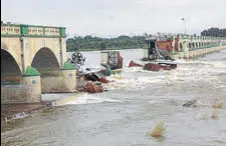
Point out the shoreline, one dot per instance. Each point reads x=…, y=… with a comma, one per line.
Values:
x=11, y=112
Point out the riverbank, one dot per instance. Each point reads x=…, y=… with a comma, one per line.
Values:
x=10, y=112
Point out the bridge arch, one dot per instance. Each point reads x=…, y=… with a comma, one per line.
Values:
x=10, y=70
x=9, y=65
x=45, y=59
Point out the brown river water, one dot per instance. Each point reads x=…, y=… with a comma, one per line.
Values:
x=136, y=102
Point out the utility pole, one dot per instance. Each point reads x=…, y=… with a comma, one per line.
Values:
x=184, y=25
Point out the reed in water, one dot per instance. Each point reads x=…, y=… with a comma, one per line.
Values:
x=158, y=130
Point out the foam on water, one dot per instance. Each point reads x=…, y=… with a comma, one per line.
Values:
x=185, y=72
x=132, y=69
x=132, y=82
x=188, y=71
x=219, y=64
x=90, y=99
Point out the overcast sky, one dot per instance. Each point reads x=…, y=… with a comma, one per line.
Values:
x=116, y=17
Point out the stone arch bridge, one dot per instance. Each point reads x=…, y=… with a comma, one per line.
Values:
x=33, y=61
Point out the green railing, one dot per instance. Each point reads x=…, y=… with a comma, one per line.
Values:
x=187, y=37
x=17, y=30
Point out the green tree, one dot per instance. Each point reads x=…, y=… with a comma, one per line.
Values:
x=97, y=43
x=103, y=46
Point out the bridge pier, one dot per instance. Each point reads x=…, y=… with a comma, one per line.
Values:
x=181, y=55
x=191, y=54
x=25, y=90
x=59, y=81
x=33, y=84
x=186, y=54
x=70, y=79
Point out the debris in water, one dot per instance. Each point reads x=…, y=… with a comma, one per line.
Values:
x=93, y=88
x=190, y=103
x=218, y=105
x=204, y=116
x=133, y=64
x=118, y=77
x=214, y=114
x=158, y=130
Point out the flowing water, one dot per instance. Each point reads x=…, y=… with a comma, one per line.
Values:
x=137, y=101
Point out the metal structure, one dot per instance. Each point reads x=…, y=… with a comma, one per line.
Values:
x=153, y=51
x=77, y=58
x=111, y=58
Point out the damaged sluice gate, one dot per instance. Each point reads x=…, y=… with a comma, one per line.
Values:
x=157, y=59
x=91, y=80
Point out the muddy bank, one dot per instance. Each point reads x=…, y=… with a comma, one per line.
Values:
x=11, y=112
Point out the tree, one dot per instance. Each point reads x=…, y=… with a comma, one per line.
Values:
x=103, y=46
x=216, y=32
x=97, y=43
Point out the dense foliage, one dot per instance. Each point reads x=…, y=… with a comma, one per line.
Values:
x=97, y=43
x=216, y=32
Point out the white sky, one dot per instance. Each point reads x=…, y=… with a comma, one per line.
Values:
x=109, y=18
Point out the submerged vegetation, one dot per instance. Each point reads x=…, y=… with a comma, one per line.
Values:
x=214, y=114
x=218, y=105
x=158, y=130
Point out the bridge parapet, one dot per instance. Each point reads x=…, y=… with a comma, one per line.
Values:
x=199, y=38
x=17, y=30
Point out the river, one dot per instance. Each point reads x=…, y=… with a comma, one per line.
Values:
x=136, y=102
